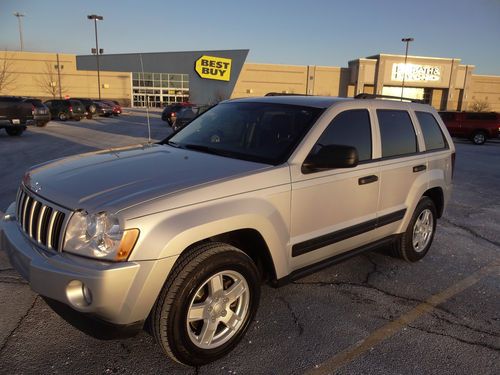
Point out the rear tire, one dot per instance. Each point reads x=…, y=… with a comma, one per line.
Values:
x=479, y=137
x=14, y=132
x=415, y=242
x=198, y=317
x=62, y=116
x=41, y=124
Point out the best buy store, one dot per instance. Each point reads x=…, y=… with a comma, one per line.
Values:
x=206, y=77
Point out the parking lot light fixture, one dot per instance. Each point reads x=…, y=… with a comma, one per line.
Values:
x=407, y=41
x=20, y=24
x=96, y=18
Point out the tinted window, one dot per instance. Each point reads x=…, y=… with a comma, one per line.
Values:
x=447, y=116
x=349, y=128
x=433, y=136
x=480, y=116
x=397, y=133
x=262, y=132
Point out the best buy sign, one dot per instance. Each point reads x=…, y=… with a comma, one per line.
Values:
x=211, y=67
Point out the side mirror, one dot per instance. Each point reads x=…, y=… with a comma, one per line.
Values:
x=329, y=157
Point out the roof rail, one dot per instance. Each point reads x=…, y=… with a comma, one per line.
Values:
x=376, y=96
x=283, y=94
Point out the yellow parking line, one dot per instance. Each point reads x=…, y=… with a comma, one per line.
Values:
x=346, y=356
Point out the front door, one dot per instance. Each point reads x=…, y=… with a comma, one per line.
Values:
x=332, y=211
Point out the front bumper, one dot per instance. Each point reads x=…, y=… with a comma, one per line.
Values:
x=121, y=293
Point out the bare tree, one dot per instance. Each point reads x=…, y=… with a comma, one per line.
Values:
x=50, y=82
x=7, y=76
x=479, y=105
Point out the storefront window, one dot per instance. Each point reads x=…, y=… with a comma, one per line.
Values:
x=159, y=89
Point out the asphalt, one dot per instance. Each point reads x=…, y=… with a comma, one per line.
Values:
x=371, y=314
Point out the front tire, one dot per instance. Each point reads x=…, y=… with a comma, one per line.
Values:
x=417, y=239
x=207, y=304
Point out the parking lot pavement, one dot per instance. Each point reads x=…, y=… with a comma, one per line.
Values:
x=371, y=314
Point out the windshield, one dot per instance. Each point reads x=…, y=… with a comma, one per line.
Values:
x=260, y=132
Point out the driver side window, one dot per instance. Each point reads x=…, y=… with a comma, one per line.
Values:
x=349, y=128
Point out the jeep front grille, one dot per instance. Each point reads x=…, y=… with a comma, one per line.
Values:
x=41, y=222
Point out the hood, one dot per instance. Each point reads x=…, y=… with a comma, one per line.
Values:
x=115, y=179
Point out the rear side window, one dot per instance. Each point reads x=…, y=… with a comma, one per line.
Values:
x=397, y=133
x=434, y=139
x=447, y=116
x=350, y=128
x=480, y=116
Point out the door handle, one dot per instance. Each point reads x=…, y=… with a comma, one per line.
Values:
x=367, y=179
x=419, y=168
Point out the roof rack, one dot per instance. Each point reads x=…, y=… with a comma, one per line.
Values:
x=376, y=96
x=283, y=94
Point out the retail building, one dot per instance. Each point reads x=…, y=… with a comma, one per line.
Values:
x=206, y=77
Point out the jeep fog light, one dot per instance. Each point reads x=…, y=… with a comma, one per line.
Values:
x=78, y=294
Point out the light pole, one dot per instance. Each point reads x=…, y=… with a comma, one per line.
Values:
x=96, y=18
x=19, y=15
x=407, y=41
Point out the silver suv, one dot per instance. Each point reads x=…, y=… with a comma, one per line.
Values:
x=178, y=236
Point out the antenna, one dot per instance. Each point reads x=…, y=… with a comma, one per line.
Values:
x=147, y=101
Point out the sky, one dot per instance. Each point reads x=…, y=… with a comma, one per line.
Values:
x=328, y=33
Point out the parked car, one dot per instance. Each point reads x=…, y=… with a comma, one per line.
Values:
x=15, y=114
x=41, y=113
x=171, y=110
x=89, y=105
x=254, y=190
x=476, y=126
x=66, y=109
x=103, y=109
x=117, y=109
x=186, y=114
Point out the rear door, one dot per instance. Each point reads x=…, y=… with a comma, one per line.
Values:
x=402, y=167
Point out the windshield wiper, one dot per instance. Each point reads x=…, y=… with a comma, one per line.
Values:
x=207, y=149
x=173, y=144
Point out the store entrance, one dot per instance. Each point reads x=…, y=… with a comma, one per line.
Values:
x=419, y=93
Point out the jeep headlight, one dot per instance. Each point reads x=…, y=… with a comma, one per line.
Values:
x=99, y=236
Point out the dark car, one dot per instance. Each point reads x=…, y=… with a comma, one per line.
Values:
x=90, y=106
x=171, y=110
x=66, y=109
x=476, y=126
x=15, y=114
x=103, y=109
x=41, y=113
x=185, y=115
x=117, y=109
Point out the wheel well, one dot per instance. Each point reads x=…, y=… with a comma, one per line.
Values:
x=251, y=242
x=436, y=194
x=485, y=131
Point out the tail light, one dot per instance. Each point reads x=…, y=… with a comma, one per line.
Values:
x=70, y=108
x=453, y=156
x=32, y=109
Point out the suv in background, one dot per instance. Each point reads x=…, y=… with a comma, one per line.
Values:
x=171, y=111
x=66, y=109
x=41, y=113
x=15, y=114
x=476, y=126
x=253, y=190
x=89, y=105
